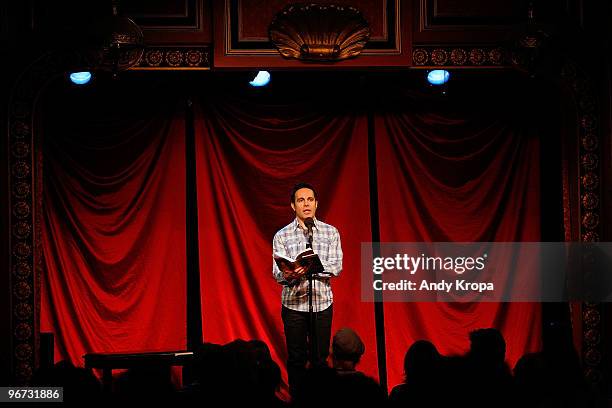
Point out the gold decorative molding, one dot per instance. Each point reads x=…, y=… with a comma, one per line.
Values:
x=319, y=32
x=25, y=261
x=174, y=58
x=589, y=210
x=389, y=43
x=477, y=57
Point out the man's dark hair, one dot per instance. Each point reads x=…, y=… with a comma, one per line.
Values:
x=299, y=186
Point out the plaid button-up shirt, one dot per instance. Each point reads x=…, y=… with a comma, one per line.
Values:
x=290, y=241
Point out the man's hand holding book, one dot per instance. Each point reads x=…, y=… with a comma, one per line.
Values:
x=294, y=269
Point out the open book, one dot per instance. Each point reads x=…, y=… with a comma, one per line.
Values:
x=307, y=259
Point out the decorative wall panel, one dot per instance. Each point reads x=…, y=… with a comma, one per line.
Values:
x=241, y=34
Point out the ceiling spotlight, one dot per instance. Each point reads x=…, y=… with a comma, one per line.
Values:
x=438, y=77
x=80, y=78
x=261, y=79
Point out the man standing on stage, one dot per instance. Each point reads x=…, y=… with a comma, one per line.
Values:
x=290, y=241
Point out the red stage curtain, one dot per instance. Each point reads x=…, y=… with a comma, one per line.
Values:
x=113, y=223
x=249, y=156
x=462, y=179
x=114, y=217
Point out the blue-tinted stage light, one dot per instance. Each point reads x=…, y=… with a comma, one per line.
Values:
x=261, y=79
x=80, y=78
x=438, y=77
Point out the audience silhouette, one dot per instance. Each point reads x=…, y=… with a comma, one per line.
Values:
x=422, y=366
x=243, y=373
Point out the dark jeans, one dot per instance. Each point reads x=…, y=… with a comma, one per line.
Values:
x=297, y=335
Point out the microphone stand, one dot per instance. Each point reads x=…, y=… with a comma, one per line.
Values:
x=311, y=316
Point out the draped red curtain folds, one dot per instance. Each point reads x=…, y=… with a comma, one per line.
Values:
x=460, y=179
x=114, y=216
x=249, y=157
x=113, y=228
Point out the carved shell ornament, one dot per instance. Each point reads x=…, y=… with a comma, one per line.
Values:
x=319, y=32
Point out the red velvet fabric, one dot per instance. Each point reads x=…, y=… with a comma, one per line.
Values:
x=113, y=227
x=249, y=158
x=114, y=218
x=462, y=179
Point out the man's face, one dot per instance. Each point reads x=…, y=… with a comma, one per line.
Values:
x=304, y=204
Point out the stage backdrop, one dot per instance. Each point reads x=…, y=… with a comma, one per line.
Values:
x=113, y=222
x=461, y=178
x=440, y=178
x=114, y=214
x=249, y=158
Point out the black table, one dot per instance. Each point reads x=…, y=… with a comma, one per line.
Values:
x=110, y=361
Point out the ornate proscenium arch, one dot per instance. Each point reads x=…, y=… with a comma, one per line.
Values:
x=582, y=183
x=582, y=190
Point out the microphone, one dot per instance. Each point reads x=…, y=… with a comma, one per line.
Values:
x=309, y=223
